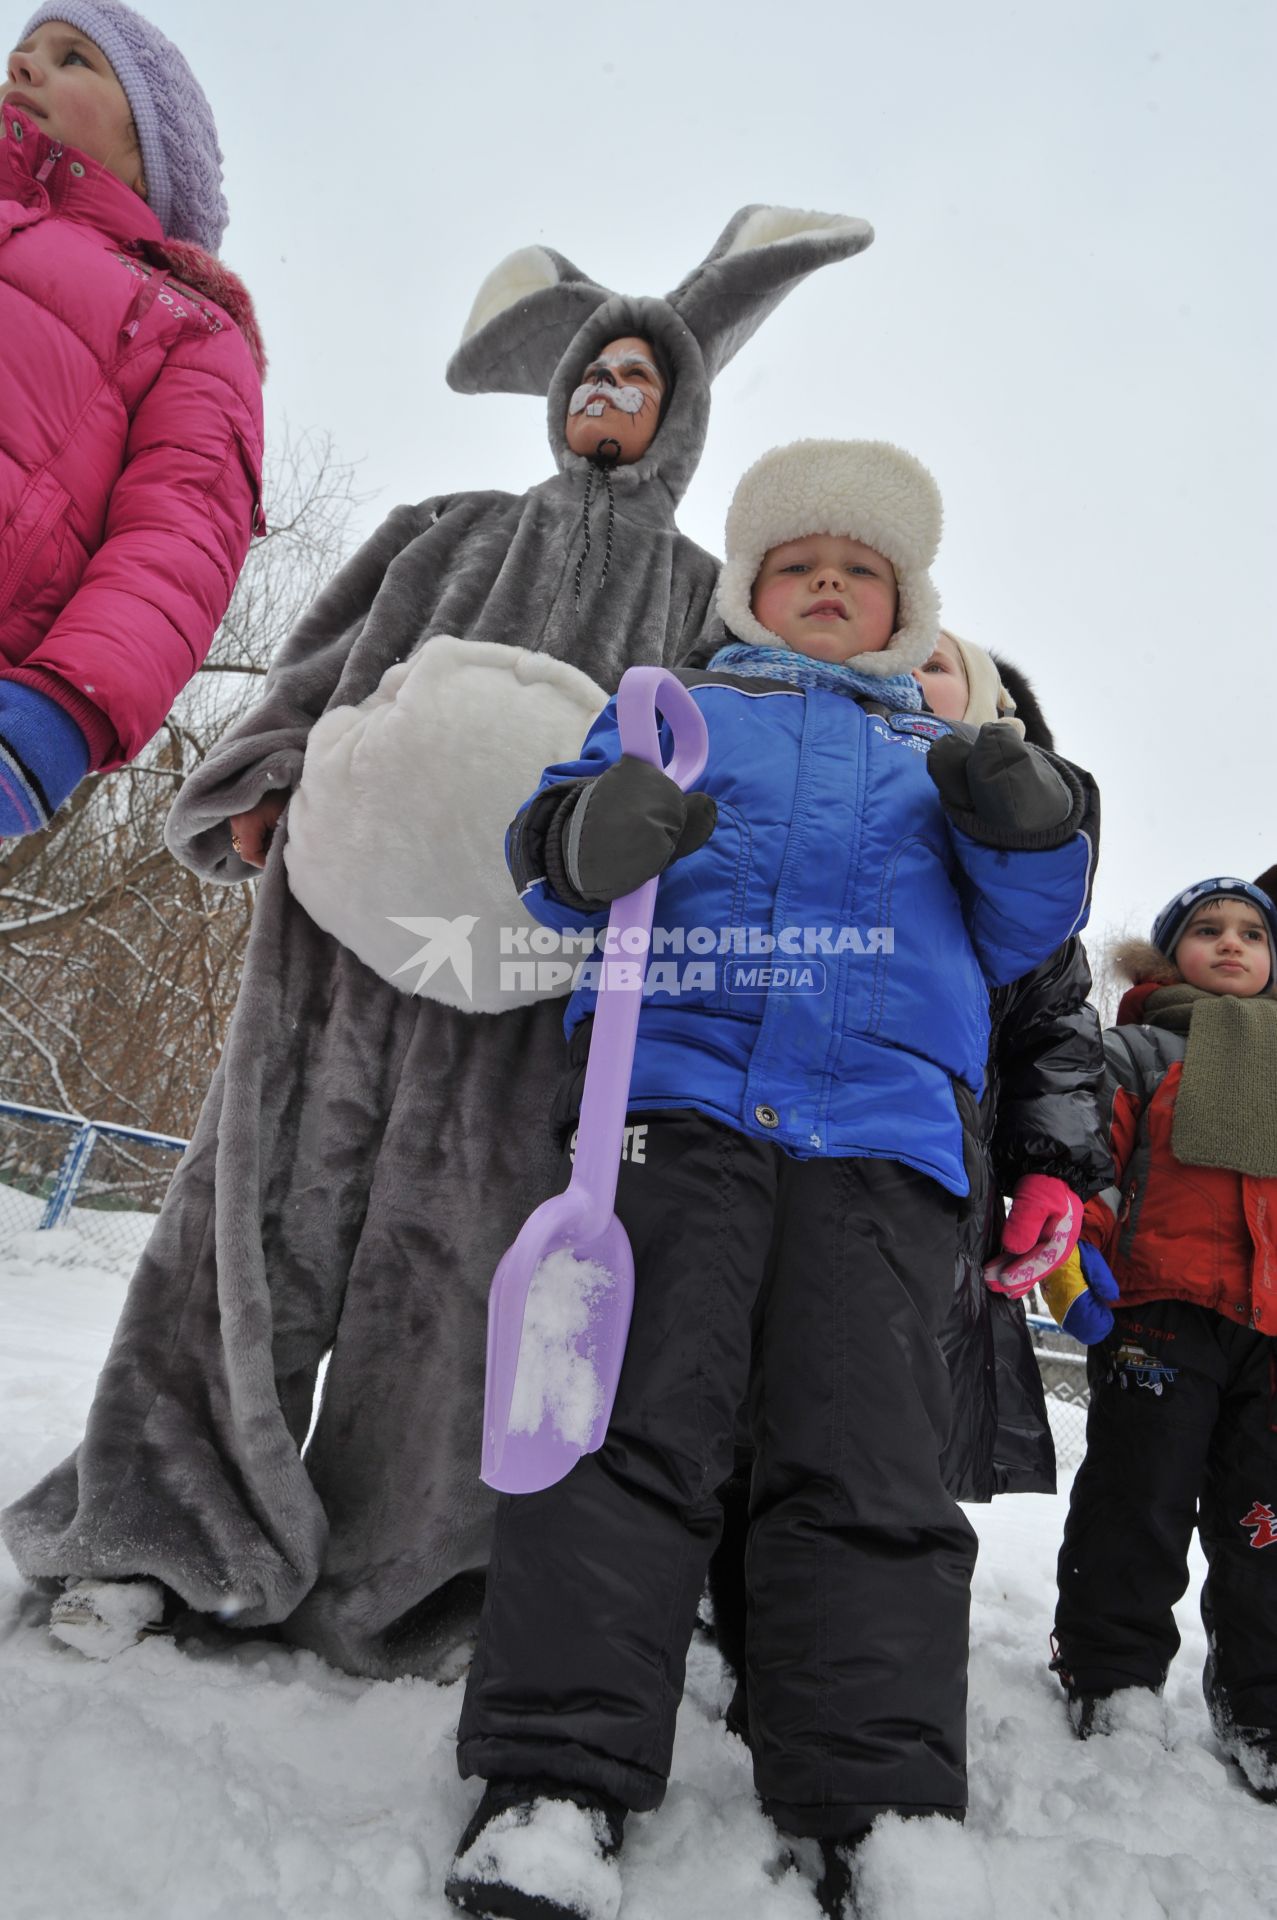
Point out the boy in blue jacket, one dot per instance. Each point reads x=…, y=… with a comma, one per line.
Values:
x=796, y=1199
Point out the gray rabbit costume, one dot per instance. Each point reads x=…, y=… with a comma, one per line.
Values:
x=365, y=1155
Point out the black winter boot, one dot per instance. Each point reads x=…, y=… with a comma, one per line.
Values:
x=1094, y=1710
x=1253, y=1750
x=539, y=1850
x=828, y=1866
x=1104, y=1711
x=736, y=1716
x=836, y=1886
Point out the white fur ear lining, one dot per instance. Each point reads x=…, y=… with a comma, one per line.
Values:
x=766, y=226
x=530, y=270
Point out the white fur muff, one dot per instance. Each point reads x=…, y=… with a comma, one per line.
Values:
x=398, y=819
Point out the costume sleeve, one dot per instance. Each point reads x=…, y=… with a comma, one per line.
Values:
x=1122, y=1101
x=178, y=524
x=263, y=752
x=1049, y=1069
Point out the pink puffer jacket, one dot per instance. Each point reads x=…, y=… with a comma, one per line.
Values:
x=130, y=443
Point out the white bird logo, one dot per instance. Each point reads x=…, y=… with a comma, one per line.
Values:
x=445, y=940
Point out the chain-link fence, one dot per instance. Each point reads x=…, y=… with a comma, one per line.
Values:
x=95, y=1188
x=1062, y=1363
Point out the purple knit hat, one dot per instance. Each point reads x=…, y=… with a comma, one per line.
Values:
x=180, y=155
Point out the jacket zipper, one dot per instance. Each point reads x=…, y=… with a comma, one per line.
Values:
x=49, y=163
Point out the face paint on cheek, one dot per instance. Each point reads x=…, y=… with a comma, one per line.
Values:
x=595, y=400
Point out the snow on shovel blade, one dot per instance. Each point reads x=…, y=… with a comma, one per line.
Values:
x=559, y=1309
x=558, y=1318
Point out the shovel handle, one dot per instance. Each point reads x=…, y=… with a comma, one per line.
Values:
x=644, y=693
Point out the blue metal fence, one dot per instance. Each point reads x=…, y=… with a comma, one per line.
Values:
x=103, y=1181
x=103, y=1184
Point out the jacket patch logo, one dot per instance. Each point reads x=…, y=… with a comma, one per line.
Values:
x=897, y=738
x=926, y=725
x=1264, y=1521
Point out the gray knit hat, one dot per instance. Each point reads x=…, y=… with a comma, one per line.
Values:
x=180, y=155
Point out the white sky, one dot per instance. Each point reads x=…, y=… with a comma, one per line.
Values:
x=1068, y=311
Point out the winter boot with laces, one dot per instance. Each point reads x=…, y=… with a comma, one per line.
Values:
x=539, y=1850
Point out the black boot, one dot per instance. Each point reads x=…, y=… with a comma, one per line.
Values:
x=1253, y=1751
x=1097, y=1713
x=539, y=1850
x=836, y=1886
x=829, y=1867
x=736, y=1717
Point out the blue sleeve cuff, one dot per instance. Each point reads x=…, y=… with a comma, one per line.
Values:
x=43, y=757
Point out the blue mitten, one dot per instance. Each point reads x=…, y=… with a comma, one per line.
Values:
x=1081, y=1294
x=43, y=758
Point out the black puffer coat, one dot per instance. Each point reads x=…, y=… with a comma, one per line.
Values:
x=1040, y=1114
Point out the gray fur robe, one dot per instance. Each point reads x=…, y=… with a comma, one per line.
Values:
x=364, y=1156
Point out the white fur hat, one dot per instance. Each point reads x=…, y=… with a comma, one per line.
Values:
x=866, y=489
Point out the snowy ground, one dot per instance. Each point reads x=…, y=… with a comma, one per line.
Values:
x=257, y=1784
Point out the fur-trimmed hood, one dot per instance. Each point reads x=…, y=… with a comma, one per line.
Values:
x=866, y=489
x=538, y=320
x=1141, y=964
x=1028, y=708
x=208, y=277
x=1147, y=968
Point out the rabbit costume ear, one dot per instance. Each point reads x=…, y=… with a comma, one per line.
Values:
x=525, y=314
x=761, y=255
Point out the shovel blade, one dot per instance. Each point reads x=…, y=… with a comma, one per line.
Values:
x=560, y=1306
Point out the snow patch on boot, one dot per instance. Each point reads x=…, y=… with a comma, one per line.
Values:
x=1255, y=1752
x=547, y=1850
x=100, y=1618
x=1125, y=1710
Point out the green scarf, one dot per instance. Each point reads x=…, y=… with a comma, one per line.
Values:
x=1226, y=1108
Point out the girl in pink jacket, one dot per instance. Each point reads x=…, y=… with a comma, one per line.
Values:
x=130, y=398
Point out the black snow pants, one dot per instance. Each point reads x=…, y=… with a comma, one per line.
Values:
x=1182, y=1431
x=838, y=1274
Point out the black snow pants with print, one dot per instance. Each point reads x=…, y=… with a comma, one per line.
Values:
x=839, y=1273
x=1182, y=1432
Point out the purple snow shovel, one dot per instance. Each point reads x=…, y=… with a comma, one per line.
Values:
x=559, y=1309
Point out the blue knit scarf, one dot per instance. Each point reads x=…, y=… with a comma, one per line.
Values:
x=900, y=693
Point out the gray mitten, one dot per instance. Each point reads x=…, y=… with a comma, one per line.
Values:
x=628, y=825
x=1003, y=792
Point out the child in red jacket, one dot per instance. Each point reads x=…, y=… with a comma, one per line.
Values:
x=130, y=398
x=1182, y=1429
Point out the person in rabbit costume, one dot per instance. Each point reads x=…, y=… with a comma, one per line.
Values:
x=378, y=1126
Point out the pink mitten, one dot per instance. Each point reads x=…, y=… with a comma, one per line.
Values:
x=1041, y=1230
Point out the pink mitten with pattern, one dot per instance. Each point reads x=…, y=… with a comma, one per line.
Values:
x=1041, y=1230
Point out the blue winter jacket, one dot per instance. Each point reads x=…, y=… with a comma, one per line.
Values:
x=855, y=932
